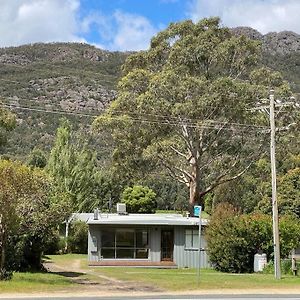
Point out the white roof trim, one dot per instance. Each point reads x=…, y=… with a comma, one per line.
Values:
x=146, y=219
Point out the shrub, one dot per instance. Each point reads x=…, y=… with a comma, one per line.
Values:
x=78, y=236
x=234, y=238
x=286, y=267
x=139, y=199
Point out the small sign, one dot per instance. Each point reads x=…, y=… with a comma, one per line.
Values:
x=197, y=211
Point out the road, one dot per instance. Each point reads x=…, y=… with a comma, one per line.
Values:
x=168, y=297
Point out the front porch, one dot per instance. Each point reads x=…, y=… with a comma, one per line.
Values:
x=133, y=263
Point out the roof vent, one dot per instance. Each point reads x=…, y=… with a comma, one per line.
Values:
x=96, y=214
x=121, y=209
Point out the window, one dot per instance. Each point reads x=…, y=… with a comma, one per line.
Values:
x=191, y=239
x=124, y=243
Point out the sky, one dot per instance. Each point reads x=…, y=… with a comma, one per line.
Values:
x=122, y=25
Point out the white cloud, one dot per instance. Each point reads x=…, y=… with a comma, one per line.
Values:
x=263, y=15
x=121, y=31
x=29, y=21
x=133, y=32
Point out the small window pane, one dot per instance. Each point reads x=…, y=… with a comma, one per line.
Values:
x=192, y=239
x=196, y=240
x=108, y=238
x=188, y=241
x=142, y=253
x=141, y=239
x=125, y=253
x=125, y=238
x=108, y=253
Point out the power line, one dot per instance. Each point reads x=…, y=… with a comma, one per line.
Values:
x=206, y=125
x=164, y=118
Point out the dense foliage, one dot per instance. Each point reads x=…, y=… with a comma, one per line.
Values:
x=77, y=239
x=139, y=199
x=179, y=103
x=28, y=216
x=72, y=166
x=234, y=238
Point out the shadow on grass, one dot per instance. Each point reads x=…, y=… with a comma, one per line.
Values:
x=68, y=274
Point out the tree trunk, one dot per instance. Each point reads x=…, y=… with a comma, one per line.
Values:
x=195, y=198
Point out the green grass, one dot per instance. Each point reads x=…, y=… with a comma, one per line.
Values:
x=65, y=258
x=166, y=279
x=186, y=279
x=35, y=282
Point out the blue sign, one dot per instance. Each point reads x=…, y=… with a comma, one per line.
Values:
x=197, y=211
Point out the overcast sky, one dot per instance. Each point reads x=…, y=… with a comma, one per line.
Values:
x=129, y=24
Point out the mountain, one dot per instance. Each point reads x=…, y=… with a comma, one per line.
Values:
x=281, y=52
x=60, y=77
x=42, y=82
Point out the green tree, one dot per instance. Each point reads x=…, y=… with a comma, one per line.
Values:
x=77, y=239
x=7, y=123
x=177, y=103
x=289, y=192
x=27, y=215
x=72, y=166
x=139, y=199
x=37, y=158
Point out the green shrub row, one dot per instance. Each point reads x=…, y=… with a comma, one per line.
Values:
x=234, y=238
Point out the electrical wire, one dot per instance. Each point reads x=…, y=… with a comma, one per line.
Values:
x=163, y=118
x=214, y=125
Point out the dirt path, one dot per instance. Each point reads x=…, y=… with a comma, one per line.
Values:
x=92, y=281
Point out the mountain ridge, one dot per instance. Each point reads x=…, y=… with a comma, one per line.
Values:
x=36, y=79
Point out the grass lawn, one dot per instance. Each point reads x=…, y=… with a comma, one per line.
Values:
x=167, y=279
x=34, y=282
x=186, y=279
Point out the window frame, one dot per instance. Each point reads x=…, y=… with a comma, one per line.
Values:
x=194, y=235
x=136, y=250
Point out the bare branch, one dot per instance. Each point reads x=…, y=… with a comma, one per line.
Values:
x=219, y=180
x=180, y=153
x=183, y=177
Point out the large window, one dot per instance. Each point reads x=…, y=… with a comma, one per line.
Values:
x=124, y=243
x=191, y=239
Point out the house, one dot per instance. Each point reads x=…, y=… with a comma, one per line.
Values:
x=161, y=240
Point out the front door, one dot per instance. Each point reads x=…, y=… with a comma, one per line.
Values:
x=167, y=245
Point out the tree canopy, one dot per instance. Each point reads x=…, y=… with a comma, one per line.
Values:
x=7, y=123
x=28, y=215
x=183, y=106
x=72, y=166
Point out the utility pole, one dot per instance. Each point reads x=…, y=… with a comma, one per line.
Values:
x=270, y=109
x=274, y=190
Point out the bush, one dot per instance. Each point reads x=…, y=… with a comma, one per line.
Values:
x=139, y=199
x=234, y=238
x=78, y=237
x=52, y=244
x=286, y=267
